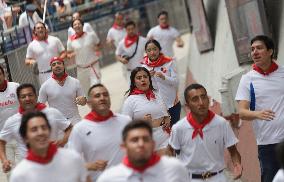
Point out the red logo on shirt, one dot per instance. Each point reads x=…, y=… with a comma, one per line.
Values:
x=7, y=103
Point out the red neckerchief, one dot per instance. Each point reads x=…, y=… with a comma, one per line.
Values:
x=93, y=116
x=149, y=93
x=76, y=36
x=164, y=26
x=128, y=41
x=52, y=149
x=38, y=107
x=162, y=59
x=154, y=159
x=44, y=40
x=273, y=67
x=60, y=79
x=4, y=86
x=199, y=126
x=117, y=27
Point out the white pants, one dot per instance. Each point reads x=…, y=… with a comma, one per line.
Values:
x=161, y=138
x=217, y=178
x=89, y=76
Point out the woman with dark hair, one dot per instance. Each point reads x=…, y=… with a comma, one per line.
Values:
x=83, y=46
x=143, y=102
x=164, y=77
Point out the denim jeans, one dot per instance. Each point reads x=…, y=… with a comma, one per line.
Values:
x=268, y=162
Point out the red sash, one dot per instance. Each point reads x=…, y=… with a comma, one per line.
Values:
x=164, y=26
x=162, y=59
x=273, y=67
x=128, y=41
x=52, y=149
x=76, y=36
x=154, y=159
x=45, y=39
x=38, y=107
x=149, y=93
x=94, y=116
x=199, y=126
x=60, y=79
x=117, y=27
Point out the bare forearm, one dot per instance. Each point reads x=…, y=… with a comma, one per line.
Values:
x=3, y=156
x=246, y=114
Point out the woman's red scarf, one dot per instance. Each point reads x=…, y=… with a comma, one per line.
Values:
x=129, y=40
x=199, y=126
x=44, y=40
x=76, y=36
x=51, y=151
x=38, y=107
x=162, y=59
x=60, y=79
x=4, y=86
x=149, y=93
x=154, y=159
x=94, y=116
x=273, y=67
x=117, y=27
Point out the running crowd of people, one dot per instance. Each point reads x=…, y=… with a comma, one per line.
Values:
x=147, y=141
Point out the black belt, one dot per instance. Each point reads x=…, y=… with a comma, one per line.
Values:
x=205, y=175
x=48, y=71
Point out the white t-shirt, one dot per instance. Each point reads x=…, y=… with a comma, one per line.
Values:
x=166, y=38
x=137, y=106
x=8, y=102
x=86, y=28
x=99, y=140
x=116, y=34
x=207, y=154
x=279, y=177
x=62, y=97
x=24, y=20
x=134, y=62
x=84, y=48
x=66, y=166
x=10, y=130
x=269, y=94
x=43, y=51
x=167, y=88
x=168, y=169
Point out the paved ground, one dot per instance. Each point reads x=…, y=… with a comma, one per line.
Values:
x=113, y=79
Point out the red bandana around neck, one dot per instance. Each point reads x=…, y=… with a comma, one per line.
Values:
x=60, y=79
x=94, y=116
x=52, y=149
x=199, y=126
x=117, y=27
x=162, y=59
x=44, y=40
x=154, y=159
x=128, y=41
x=39, y=107
x=273, y=67
x=149, y=93
x=164, y=26
x=76, y=36
x=4, y=86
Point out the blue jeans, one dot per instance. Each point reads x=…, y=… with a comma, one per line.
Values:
x=268, y=162
x=175, y=113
